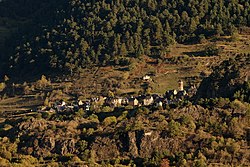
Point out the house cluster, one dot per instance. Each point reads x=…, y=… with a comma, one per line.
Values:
x=170, y=97
x=156, y=100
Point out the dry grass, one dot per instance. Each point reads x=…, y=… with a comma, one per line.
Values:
x=19, y=103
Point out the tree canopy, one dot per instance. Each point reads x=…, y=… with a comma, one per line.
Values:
x=106, y=32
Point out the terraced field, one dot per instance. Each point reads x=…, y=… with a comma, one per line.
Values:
x=19, y=106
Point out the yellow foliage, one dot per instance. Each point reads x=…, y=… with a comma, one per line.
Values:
x=2, y=86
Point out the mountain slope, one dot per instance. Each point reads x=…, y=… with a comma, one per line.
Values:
x=21, y=19
x=108, y=32
x=228, y=80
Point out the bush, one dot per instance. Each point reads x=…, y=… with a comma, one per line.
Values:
x=94, y=118
x=46, y=115
x=143, y=110
x=174, y=128
x=234, y=37
x=4, y=162
x=202, y=38
x=82, y=145
x=2, y=86
x=6, y=154
x=107, y=109
x=43, y=82
x=212, y=50
x=109, y=120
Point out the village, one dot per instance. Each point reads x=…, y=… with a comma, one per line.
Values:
x=147, y=100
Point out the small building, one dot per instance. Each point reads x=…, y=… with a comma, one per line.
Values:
x=171, y=93
x=133, y=101
x=116, y=101
x=192, y=91
x=108, y=101
x=158, y=102
x=113, y=101
x=60, y=108
x=87, y=105
x=146, y=78
x=99, y=101
x=181, y=94
x=156, y=96
x=147, y=100
x=51, y=110
x=180, y=85
x=80, y=103
x=125, y=101
x=63, y=103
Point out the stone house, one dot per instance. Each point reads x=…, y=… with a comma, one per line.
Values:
x=181, y=94
x=158, y=102
x=147, y=100
x=113, y=101
x=133, y=101
x=125, y=101
x=171, y=93
x=116, y=101
x=146, y=78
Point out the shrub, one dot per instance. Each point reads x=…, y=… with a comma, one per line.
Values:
x=143, y=110
x=138, y=125
x=90, y=131
x=80, y=113
x=211, y=50
x=122, y=116
x=234, y=37
x=46, y=115
x=43, y=82
x=202, y=38
x=165, y=163
x=238, y=105
x=107, y=109
x=2, y=86
x=82, y=145
x=94, y=118
x=174, y=128
x=4, y=162
x=6, y=154
x=109, y=120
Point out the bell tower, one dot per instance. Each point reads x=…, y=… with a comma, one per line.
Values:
x=180, y=85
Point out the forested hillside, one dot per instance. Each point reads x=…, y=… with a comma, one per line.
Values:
x=228, y=80
x=108, y=32
x=20, y=20
x=124, y=83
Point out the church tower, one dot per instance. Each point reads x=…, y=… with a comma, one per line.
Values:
x=180, y=85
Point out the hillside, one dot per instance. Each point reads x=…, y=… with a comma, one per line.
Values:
x=124, y=83
x=215, y=133
x=212, y=131
x=20, y=19
x=107, y=33
x=230, y=77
